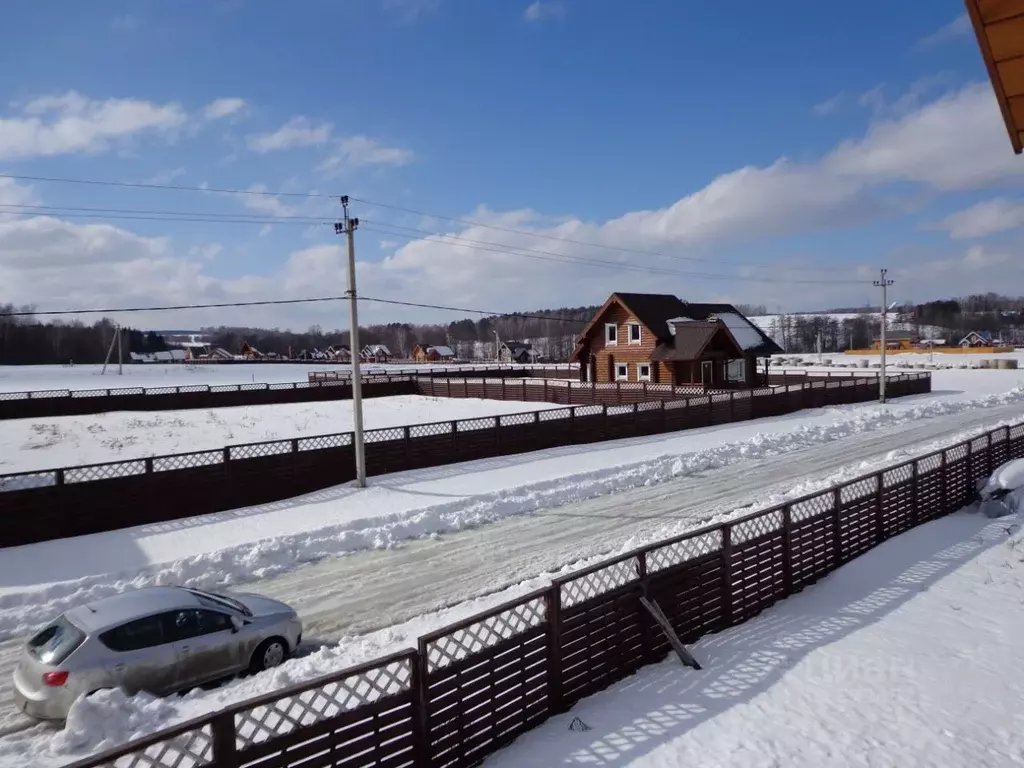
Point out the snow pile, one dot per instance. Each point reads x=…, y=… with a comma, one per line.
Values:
x=907, y=656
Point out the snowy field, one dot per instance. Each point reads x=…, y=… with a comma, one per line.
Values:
x=908, y=656
x=30, y=378
x=33, y=444
x=904, y=361
x=427, y=547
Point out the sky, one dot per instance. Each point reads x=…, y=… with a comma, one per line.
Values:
x=503, y=155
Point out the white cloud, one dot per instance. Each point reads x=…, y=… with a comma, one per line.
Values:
x=71, y=123
x=953, y=143
x=410, y=10
x=957, y=29
x=985, y=218
x=361, y=151
x=14, y=194
x=829, y=106
x=297, y=132
x=221, y=108
x=206, y=251
x=544, y=9
x=165, y=177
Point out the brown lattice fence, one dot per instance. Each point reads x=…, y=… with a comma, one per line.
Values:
x=472, y=687
x=72, y=501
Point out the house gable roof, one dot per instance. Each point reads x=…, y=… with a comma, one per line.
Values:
x=654, y=310
x=692, y=338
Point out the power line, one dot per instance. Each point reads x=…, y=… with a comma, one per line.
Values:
x=198, y=219
x=421, y=234
x=589, y=261
x=174, y=187
x=468, y=222
x=260, y=217
x=274, y=302
x=587, y=244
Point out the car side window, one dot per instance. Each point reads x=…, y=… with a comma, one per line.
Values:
x=184, y=624
x=214, y=621
x=135, y=635
x=189, y=623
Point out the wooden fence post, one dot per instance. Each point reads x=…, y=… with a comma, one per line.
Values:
x=837, y=537
x=915, y=516
x=727, y=614
x=943, y=502
x=503, y=388
x=664, y=417
x=421, y=706
x=732, y=406
x=222, y=729
x=408, y=447
x=787, y=549
x=572, y=425
x=604, y=409
x=879, y=502
x=553, y=614
x=988, y=456
x=455, y=437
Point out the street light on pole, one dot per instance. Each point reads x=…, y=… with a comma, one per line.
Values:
x=348, y=228
x=883, y=283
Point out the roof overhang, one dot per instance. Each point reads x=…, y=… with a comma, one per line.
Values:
x=999, y=26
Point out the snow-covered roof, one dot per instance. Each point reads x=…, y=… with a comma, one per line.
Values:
x=377, y=349
x=444, y=351
x=746, y=335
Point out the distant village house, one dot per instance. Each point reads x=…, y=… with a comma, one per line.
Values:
x=432, y=354
x=517, y=352
x=660, y=339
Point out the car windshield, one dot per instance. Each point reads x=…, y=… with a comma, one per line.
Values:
x=220, y=601
x=55, y=643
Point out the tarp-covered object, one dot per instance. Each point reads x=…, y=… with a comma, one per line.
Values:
x=1003, y=492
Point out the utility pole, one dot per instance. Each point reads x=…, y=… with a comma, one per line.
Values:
x=884, y=284
x=348, y=228
x=120, y=355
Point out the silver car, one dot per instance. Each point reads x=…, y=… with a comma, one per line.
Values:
x=160, y=640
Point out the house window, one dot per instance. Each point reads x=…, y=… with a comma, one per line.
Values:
x=643, y=371
x=622, y=371
x=634, y=333
x=611, y=334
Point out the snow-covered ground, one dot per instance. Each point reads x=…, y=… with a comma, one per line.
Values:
x=32, y=444
x=902, y=361
x=30, y=378
x=501, y=521
x=908, y=656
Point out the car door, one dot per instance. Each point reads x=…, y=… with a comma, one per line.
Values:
x=205, y=646
x=142, y=657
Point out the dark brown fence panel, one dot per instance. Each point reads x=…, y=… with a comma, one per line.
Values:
x=602, y=628
x=898, y=497
x=686, y=579
x=486, y=681
x=756, y=564
x=813, y=538
x=859, y=512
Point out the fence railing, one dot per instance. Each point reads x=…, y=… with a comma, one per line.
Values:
x=471, y=688
x=72, y=501
x=325, y=385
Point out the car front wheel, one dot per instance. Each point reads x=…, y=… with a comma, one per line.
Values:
x=271, y=653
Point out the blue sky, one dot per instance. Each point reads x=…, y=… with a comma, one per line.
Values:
x=805, y=140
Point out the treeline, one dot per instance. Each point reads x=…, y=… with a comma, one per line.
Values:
x=28, y=341
x=552, y=332
x=947, y=320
